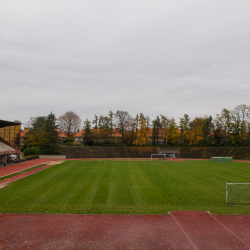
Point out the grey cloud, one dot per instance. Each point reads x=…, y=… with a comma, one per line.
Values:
x=163, y=57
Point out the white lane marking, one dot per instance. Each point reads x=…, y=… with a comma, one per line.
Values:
x=184, y=231
x=229, y=230
x=93, y=195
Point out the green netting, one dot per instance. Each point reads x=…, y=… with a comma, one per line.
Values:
x=221, y=159
x=228, y=159
x=238, y=194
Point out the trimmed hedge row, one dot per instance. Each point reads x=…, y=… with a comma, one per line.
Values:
x=32, y=151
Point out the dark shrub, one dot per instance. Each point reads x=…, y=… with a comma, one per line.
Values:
x=37, y=151
x=26, y=151
x=32, y=150
x=68, y=140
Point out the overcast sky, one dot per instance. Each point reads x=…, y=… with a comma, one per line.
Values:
x=167, y=57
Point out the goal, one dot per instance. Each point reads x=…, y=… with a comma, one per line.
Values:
x=164, y=157
x=238, y=194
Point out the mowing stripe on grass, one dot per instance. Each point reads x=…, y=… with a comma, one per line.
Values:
x=126, y=187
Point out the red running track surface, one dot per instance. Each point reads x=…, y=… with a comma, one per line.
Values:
x=21, y=166
x=182, y=230
x=22, y=175
x=237, y=224
x=204, y=231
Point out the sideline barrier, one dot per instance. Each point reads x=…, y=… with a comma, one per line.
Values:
x=52, y=156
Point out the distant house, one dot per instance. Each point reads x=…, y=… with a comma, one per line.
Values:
x=61, y=135
x=78, y=137
x=22, y=136
x=117, y=136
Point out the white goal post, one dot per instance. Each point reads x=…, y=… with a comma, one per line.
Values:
x=165, y=157
x=238, y=194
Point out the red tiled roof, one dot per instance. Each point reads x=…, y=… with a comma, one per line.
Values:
x=115, y=132
x=79, y=134
x=24, y=132
x=60, y=134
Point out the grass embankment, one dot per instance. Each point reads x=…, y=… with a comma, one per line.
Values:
x=115, y=187
x=20, y=172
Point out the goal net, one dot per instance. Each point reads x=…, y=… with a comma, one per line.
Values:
x=238, y=194
x=164, y=157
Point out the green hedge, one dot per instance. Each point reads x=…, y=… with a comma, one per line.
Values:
x=32, y=151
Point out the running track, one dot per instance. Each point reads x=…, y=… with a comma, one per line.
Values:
x=21, y=166
x=179, y=230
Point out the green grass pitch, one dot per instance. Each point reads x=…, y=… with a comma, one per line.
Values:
x=126, y=187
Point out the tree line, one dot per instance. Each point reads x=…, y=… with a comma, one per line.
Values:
x=43, y=135
x=229, y=128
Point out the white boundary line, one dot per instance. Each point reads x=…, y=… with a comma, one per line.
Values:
x=184, y=231
x=228, y=230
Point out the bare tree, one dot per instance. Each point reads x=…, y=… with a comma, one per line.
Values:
x=223, y=122
x=69, y=123
x=245, y=113
x=122, y=119
x=239, y=115
x=104, y=128
x=241, y=112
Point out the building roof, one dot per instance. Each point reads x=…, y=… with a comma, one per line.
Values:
x=8, y=123
x=24, y=132
x=60, y=134
x=79, y=134
x=116, y=133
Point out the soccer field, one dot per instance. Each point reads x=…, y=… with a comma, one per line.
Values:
x=126, y=187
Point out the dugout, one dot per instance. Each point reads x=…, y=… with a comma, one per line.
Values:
x=221, y=159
